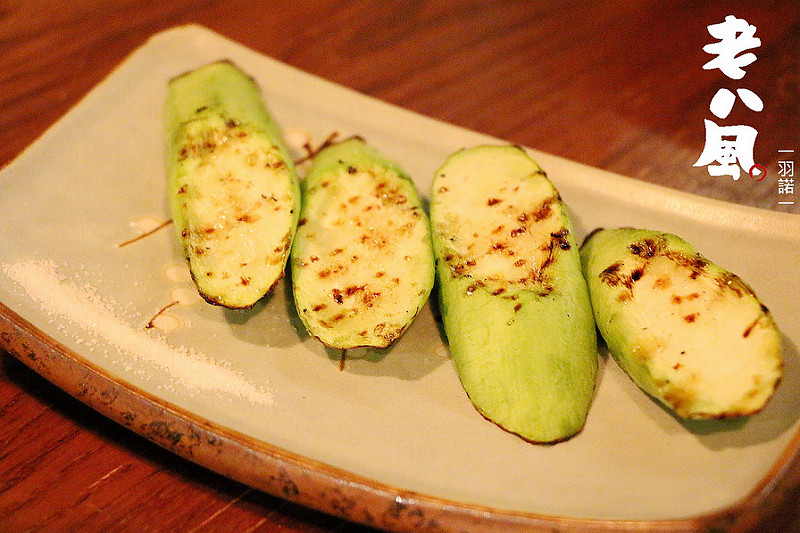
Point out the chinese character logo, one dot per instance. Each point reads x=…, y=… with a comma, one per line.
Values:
x=735, y=36
x=729, y=149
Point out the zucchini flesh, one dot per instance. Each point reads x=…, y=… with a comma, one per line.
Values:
x=362, y=263
x=232, y=185
x=691, y=334
x=514, y=303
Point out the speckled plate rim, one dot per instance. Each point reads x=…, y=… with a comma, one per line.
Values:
x=332, y=490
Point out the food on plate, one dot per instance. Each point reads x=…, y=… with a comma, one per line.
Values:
x=514, y=303
x=688, y=332
x=362, y=263
x=232, y=185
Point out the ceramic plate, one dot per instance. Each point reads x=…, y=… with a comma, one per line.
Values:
x=392, y=439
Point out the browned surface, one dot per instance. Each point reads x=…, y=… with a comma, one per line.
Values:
x=616, y=85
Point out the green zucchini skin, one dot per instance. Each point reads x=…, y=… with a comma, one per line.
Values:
x=514, y=304
x=232, y=186
x=362, y=262
x=691, y=334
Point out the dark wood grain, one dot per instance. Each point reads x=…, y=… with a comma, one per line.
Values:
x=615, y=85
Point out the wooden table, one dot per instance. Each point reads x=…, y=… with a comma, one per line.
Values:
x=615, y=85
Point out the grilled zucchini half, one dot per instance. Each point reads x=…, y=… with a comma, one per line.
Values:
x=232, y=185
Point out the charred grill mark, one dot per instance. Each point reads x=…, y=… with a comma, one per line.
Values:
x=544, y=210
x=373, y=239
x=557, y=239
x=209, y=139
x=560, y=238
x=677, y=299
x=459, y=269
x=369, y=297
x=647, y=248
x=336, y=294
x=650, y=248
x=349, y=291
x=390, y=194
x=694, y=263
x=390, y=337
x=613, y=277
x=550, y=257
x=731, y=281
x=493, y=201
x=749, y=329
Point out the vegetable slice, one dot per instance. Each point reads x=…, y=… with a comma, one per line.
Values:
x=515, y=306
x=232, y=185
x=362, y=263
x=687, y=331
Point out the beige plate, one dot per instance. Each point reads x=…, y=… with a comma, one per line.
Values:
x=392, y=440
